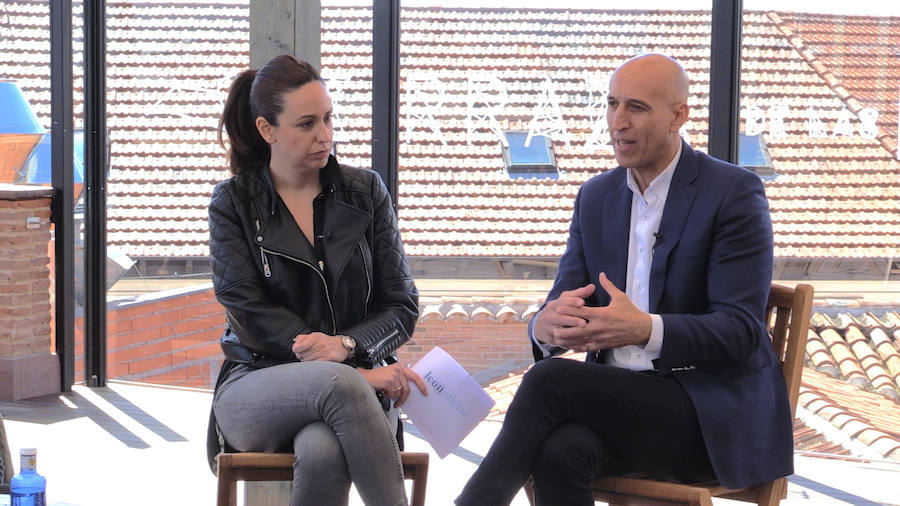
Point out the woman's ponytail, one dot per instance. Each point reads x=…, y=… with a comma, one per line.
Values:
x=246, y=147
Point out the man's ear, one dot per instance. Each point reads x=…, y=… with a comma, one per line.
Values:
x=265, y=130
x=680, y=112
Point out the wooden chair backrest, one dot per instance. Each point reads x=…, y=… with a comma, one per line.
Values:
x=787, y=313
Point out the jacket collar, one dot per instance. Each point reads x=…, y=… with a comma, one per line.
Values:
x=343, y=226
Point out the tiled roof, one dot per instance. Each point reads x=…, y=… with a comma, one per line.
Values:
x=169, y=64
x=168, y=67
x=865, y=419
x=849, y=399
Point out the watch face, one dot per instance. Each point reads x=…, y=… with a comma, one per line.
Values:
x=349, y=343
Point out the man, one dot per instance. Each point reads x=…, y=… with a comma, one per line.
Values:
x=664, y=283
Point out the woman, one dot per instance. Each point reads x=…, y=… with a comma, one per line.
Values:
x=308, y=263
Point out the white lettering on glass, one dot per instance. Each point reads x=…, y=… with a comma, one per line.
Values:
x=755, y=120
x=598, y=91
x=546, y=116
x=337, y=85
x=868, y=123
x=775, y=120
x=777, y=114
x=814, y=126
x=424, y=95
x=485, y=99
x=844, y=126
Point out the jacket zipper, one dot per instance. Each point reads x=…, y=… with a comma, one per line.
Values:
x=383, y=340
x=362, y=254
x=311, y=266
x=265, y=261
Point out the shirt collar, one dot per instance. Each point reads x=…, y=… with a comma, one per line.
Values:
x=660, y=184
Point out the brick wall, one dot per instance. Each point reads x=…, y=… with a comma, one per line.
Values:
x=169, y=339
x=172, y=339
x=25, y=277
x=478, y=345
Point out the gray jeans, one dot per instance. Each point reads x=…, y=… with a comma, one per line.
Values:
x=331, y=418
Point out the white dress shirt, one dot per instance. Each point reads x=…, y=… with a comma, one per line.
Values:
x=646, y=213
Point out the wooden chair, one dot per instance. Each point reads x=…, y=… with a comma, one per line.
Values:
x=787, y=313
x=250, y=466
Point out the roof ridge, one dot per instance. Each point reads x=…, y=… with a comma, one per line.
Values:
x=795, y=39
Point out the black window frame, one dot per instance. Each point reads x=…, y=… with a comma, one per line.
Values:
x=517, y=168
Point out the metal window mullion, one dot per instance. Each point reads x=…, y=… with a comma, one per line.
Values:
x=95, y=192
x=725, y=79
x=386, y=91
x=62, y=180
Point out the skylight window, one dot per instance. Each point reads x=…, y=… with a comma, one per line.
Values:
x=535, y=161
x=754, y=155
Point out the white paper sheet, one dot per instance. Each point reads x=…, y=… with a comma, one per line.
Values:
x=454, y=405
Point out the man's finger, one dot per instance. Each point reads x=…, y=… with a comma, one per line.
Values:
x=581, y=293
x=301, y=345
x=610, y=288
x=569, y=318
x=571, y=335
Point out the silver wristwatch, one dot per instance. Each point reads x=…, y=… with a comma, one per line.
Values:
x=350, y=344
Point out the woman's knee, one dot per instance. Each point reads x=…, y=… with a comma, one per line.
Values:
x=317, y=449
x=348, y=384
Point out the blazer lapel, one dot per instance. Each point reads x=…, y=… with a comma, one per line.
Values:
x=678, y=205
x=616, y=227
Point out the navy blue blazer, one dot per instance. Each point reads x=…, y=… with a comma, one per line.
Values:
x=709, y=280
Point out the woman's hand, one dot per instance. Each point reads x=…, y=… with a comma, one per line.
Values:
x=319, y=346
x=393, y=380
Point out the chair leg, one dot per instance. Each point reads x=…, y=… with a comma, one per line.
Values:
x=420, y=481
x=529, y=490
x=415, y=468
x=227, y=491
x=770, y=494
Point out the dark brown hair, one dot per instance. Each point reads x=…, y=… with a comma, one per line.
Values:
x=256, y=93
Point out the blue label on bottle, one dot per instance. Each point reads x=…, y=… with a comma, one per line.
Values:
x=32, y=499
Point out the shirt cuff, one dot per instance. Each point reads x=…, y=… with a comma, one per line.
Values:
x=546, y=349
x=656, y=334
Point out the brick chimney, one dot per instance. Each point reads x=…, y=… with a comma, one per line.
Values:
x=28, y=368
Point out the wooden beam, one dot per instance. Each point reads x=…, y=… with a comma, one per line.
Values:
x=285, y=27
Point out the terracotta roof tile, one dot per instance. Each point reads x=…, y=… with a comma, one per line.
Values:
x=837, y=196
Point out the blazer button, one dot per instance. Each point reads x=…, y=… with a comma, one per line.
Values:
x=259, y=238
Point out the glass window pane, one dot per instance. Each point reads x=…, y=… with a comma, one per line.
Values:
x=25, y=159
x=484, y=240
x=470, y=74
x=820, y=88
x=168, y=69
x=347, y=70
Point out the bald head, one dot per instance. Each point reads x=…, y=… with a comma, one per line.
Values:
x=668, y=76
x=646, y=108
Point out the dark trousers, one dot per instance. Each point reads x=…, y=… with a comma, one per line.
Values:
x=571, y=421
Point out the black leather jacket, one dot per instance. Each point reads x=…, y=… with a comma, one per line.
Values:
x=274, y=285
